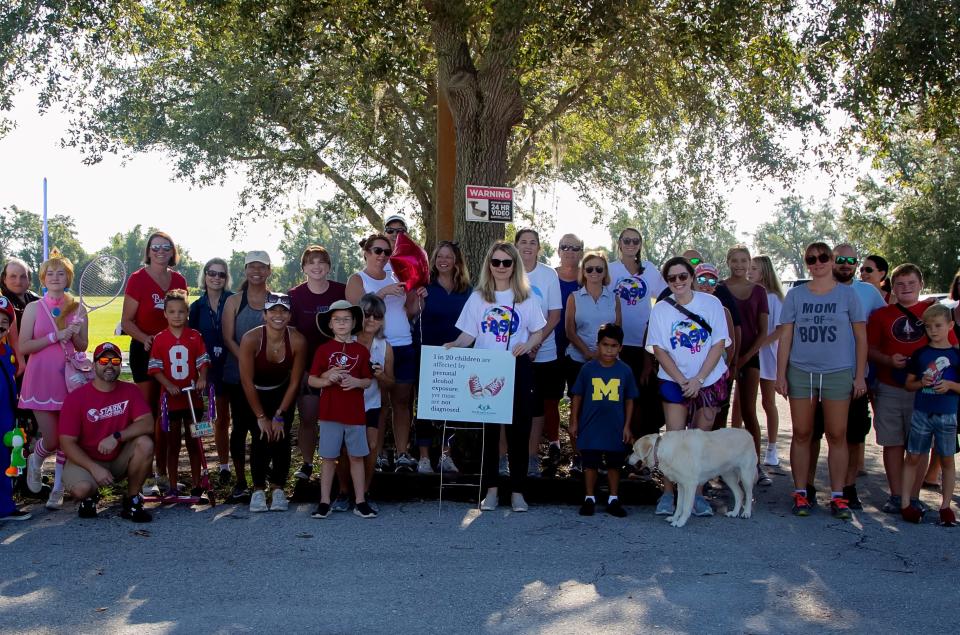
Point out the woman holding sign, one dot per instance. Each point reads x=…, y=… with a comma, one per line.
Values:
x=504, y=314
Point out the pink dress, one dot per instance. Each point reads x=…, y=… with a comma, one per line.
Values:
x=44, y=386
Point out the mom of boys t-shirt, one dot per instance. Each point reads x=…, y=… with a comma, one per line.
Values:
x=822, y=328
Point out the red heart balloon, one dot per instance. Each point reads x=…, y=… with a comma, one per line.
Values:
x=409, y=262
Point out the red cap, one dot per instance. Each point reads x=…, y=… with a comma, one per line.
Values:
x=108, y=348
x=7, y=307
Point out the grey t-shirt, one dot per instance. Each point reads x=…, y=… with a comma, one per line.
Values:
x=823, y=328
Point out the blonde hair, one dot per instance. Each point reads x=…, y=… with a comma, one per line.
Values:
x=768, y=276
x=941, y=311
x=519, y=283
x=202, y=282
x=594, y=255
x=70, y=304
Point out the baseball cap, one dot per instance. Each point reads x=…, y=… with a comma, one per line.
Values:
x=706, y=269
x=395, y=217
x=7, y=307
x=276, y=299
x=107, y=348
x=257, y=256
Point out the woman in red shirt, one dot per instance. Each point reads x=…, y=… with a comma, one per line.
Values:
x=143, y=318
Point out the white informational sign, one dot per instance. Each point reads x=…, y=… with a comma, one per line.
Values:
x=466, y=384
x=489, y=204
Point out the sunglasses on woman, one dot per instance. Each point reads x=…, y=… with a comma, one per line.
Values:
x=630, y=241
x=678, y=277
x=505, y=263
x=373, y=316
x=163, y=247
x=571, y=248
x=866, y=269
x=707, y=280
x=218, y=274
x=846, y=260
x=597, y=269
x=107, y=360
x=812, y=260
x=395, y=230
x=377, y=251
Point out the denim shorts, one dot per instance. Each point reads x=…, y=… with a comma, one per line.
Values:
x=941, y=429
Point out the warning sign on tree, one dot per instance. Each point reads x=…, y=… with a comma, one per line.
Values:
x=489, y=204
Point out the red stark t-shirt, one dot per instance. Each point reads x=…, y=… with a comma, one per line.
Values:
x=336, y=403
x=179, y=359
x=91, y=415
x=149, y=296
x=890, y=332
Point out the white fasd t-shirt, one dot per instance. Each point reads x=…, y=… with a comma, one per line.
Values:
x=488, y=322
x=546, y=287
x=687, y=342
x=637, y=293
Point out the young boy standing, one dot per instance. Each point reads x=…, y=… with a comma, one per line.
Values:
x=934, y=372
x=178, y=358
x=600, y=414
x=341, y=367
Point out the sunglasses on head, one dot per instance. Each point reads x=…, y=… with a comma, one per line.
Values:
x=630, y=241
x=377, y=251
x=866, y=269
x=594, y=269
x=678, y=277
x=696, y=261
x=504, y=263
x=395, y=230
x=163, y=247
x=107, y=360
x=707, y=280
x=846, y=260
x=812, y=260
x=571, y=248
x=217, y=274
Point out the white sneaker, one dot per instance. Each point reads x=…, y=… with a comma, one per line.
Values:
x=447, y=466
x=518, y=503
x=771, y=457
x=150, y=487
x=34, y=472
x=55, y=502
x=278, y=502
x=258, y=501
x=489, y=502
x=423, y=466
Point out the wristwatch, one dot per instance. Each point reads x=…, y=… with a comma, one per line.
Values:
x=116, y=435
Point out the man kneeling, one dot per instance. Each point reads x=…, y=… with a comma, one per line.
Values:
x=105, y=429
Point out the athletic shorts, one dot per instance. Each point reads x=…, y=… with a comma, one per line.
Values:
x=753, y=362
x=139, y=359
x=858, y=421
x=405, y=364
x=712, y=396
x=73, y=474
x=571, y=370
x=548, y=383
x=941, y=429
x=894, y=411
x=334, y=435
x=373, y=418
x=835, y=386
x=594, y=459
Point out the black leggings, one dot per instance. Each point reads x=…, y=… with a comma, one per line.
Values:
x=647, y=411
x=518, y=433
x=242, y=422
x=272, y=456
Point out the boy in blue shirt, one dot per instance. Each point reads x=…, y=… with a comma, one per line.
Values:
x=934, y=372
x=600, y=417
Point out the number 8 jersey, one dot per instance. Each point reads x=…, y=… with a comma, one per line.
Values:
x=179, y=359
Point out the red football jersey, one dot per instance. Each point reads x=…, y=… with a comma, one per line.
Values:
x=179, y=359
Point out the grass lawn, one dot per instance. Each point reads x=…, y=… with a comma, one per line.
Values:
x=103, y=323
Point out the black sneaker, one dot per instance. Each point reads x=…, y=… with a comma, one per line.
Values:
x=133, y=509
x=322, y=511
x=199, y=492
x=850, y=493
x=240, y=494
x=614, y=508
x=363, y=510
x=588, y=507
x=87, y=508
x=305, y=472
x=16, y=514
x=576, y=467
x=225, y=478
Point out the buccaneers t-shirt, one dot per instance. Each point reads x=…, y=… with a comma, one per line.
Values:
x=502, y=324
x=149, y=296
x=91, y=415
x=179, y=359
x=336, y=403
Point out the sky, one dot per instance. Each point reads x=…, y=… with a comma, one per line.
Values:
x=116, y=194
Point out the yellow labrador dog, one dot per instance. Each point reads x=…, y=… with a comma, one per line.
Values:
x=690, y=458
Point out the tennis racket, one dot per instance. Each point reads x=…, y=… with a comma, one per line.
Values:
x=101, y=282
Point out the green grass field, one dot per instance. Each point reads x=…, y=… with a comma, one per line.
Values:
x=104, y=321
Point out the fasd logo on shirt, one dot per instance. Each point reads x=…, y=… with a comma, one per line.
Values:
x=631, y=290
x=688, y=335
x=343, y=361
x=115, y=410
x=497, y=319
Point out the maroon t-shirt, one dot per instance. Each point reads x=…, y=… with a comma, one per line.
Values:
x=306, y=304
x=750, y=310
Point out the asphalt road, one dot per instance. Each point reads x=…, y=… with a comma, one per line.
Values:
x=414, y=569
